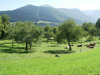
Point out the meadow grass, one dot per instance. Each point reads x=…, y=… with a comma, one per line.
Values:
x=42, y=61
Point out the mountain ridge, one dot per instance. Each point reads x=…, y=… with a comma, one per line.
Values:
x=45, y=13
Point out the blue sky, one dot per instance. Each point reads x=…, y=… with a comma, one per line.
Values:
x=80, y=4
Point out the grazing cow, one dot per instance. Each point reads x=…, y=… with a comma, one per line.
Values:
x=66, y=47
x=56, y=55
x=79, y=45
x=91, y=46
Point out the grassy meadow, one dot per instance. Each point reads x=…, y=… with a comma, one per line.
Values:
x=41, y=59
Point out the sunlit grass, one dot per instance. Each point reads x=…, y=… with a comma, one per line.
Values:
x=42, y=61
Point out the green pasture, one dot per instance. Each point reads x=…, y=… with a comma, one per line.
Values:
x=41, y=59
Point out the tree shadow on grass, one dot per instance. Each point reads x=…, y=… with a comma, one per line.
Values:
x=20, y=51
x=53, y=46
x=10, y=50
x=59, y=51
x=6, y=48
x=5, y=43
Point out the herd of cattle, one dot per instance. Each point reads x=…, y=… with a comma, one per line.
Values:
x=89, y=46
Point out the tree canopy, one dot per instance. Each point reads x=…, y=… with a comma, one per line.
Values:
x=4, y=25
x=98, y=23
x=25, y=32
x=69, y=31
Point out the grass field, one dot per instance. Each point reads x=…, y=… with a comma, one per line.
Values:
x=42, y=61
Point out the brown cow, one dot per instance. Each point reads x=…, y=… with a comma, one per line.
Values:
x=79, y=45
x=91, y=46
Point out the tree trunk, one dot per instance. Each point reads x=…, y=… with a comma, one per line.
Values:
x=26, y=46
x=69, y=46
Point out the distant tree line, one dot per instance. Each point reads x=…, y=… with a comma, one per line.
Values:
x=27, y=32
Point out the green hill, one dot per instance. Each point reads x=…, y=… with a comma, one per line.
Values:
x=78, y=15
x=46, y=13
x=35, y=13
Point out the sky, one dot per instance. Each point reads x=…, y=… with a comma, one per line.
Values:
x=80, y=4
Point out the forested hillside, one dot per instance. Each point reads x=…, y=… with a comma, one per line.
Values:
x=46, y=13
x=78, y=15
x=35, y=13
